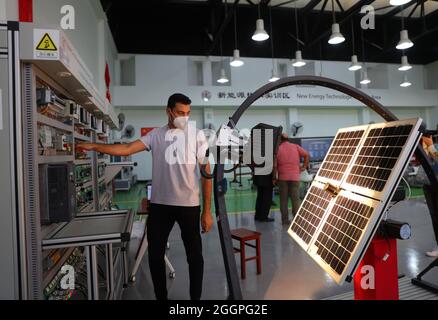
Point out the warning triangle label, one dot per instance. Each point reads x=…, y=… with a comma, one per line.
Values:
x=46, y=44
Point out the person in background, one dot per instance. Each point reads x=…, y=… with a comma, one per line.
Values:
x=431, y=151
x=429, y=147
x=287, y=171
x=175, y=192
x=265, y=189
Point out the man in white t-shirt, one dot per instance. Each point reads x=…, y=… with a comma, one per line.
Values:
x=177, y=151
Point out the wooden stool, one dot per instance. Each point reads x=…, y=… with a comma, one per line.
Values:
x=144, y=207
x=243, y=236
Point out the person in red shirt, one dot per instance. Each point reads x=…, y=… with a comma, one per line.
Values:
x=431, y=151
x=287, y=171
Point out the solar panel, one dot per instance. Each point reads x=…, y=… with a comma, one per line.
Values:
x=344, y=206
x=384, y=149
x=340, y=154
x=343, y=228
x=310, y=214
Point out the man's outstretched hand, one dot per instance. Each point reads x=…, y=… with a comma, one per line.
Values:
x=206, y=221
x=85, y=147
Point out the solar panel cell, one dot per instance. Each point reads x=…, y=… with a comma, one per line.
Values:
x=310, y=214
x=341, y=232
x=339, y=156
x=378, y=156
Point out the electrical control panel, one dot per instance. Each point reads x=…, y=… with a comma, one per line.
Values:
x=57, y=202
x=101, y=170
x=83, y=174
x=71, y=109
x=84, y=116
x=58, y=288
x=66, y=180
x=84, y=197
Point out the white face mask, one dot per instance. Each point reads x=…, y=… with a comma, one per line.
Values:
x=181, y=122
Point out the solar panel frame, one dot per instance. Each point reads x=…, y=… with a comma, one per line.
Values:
x=385, y=201
x=379, y=201
x=396, y=169
x=337, y=182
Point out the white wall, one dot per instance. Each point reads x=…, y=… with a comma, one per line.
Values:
x=402, y=113
x=9, y=10
x=159, y=76
x=431, y=75
x=433, y=116
x=91, y=37
x=326, y=122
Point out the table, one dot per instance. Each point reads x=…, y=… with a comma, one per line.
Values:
x=90, y=230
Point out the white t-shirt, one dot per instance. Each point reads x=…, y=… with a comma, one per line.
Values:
x=175, y=170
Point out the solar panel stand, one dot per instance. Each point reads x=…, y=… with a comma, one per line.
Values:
x=430, y=193
x=385, y=274
x=425, y=284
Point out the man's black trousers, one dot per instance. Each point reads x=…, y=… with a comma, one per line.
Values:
x=159, y=224
x=263, y=201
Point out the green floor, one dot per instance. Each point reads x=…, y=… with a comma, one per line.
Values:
x=238, y=198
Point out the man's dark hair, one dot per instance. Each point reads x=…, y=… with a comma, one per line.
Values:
x=177, y=98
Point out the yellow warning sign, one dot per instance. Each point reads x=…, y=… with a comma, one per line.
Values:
x=46, y=44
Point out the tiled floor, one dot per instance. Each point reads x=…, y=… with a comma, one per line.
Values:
x=288, y=272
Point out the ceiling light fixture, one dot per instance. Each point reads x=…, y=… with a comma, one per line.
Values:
x=364, y=78
x=405, y=42
x=274, y=77
x=64, y=74
x=405, y=82
x=364, y=73
x=336, y=36
x=236, y=61
x=223, y=78
x=298, y=62
x=398, y=2
x=405, y=66
x=82, y=91
x=260, y=34
x=355, y=65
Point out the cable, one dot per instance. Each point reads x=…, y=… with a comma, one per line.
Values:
x=386, y=237
x=235, y=28
x=402, y=18
x=272, y=37
x=258, y=8
x=333, y=12
x=363, y=48
x=296, y=27
x=409, y=188
x=352, y=35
